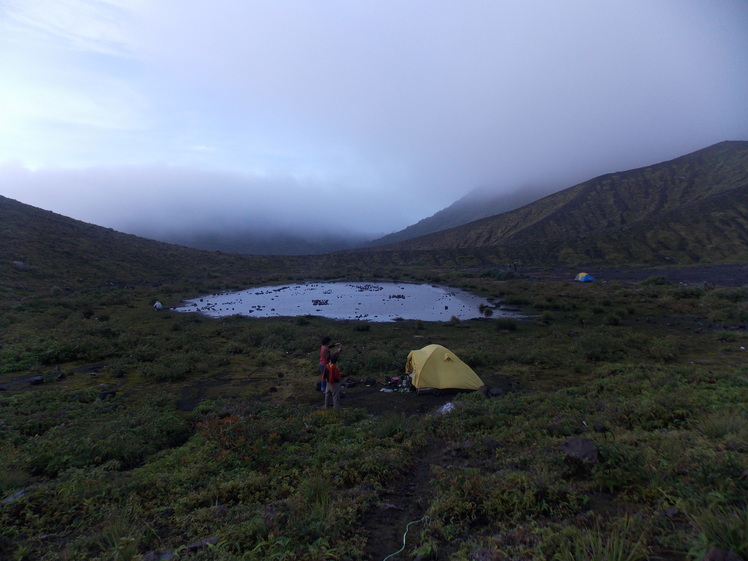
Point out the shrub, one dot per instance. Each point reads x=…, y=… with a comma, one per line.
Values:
x=506, y=324
x=512, y=300
x=622, y=540
x=723, y=423
x=125, y=436
x=546, y=317
x=501, y=274
x=727, y=336
x=613, y=319
x=690, y=292
x=731, y=294
x=656, y=280
x=721, y=526
x=602, y=345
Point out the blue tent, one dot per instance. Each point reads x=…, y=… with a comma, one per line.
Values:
x=584, y=277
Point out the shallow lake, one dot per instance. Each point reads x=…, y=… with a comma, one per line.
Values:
x=376, y=302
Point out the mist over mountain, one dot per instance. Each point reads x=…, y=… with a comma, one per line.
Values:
x=690, y=210
x=693, y=209
x=269, y=240
x=253, y=242
x=479, y=203
x=643, y=213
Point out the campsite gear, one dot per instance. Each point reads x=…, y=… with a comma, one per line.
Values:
x=584, y=277
x=434, y=368
x=425, y=518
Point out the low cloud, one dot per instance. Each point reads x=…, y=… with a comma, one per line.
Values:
x=165, y=202
x=175, y=116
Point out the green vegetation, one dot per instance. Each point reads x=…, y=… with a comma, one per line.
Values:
x=156, y=431
x=125, y=431
x=691, y=210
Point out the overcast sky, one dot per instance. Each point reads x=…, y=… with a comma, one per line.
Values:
x=360, y=115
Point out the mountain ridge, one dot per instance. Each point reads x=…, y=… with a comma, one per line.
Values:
x=689, y=211
x=600, y=207
x=473, y=206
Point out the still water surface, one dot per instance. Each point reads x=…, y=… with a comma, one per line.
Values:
x=376, y=302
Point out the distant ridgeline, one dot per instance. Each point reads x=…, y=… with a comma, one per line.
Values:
x=690, y=210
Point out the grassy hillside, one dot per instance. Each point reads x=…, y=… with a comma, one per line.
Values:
x=688, y=210
x=618, y=430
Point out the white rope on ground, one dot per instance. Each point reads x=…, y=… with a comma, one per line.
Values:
x=405, y=535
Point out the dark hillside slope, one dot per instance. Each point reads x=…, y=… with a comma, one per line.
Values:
x=40, y=250
x=43, y=253
x=688, y=210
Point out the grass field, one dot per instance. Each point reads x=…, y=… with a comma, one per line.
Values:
x=149, y=432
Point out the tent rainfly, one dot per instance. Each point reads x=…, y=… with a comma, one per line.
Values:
x=437, y=368
x=584, y=277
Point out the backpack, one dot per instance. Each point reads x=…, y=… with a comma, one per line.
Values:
x=331, y=374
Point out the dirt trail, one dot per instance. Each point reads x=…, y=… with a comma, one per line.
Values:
x=406, y=501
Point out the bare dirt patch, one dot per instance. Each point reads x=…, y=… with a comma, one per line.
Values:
x=406, y=501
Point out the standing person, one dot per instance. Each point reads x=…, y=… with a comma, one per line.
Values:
x=324, y=356
x=331, y=376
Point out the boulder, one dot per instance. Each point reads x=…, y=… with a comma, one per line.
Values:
x=579, y=449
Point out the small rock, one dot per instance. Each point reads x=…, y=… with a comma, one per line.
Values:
x=201, y=544
x=717, y=554
x=668, y=512
x=389, y=506
x=490, y=444
x=158, y=556
x=14, y=497
x=484, y=554
x=167, y=513
x=36, y=380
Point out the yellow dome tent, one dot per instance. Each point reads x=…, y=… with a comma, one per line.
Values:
x=437, y=368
